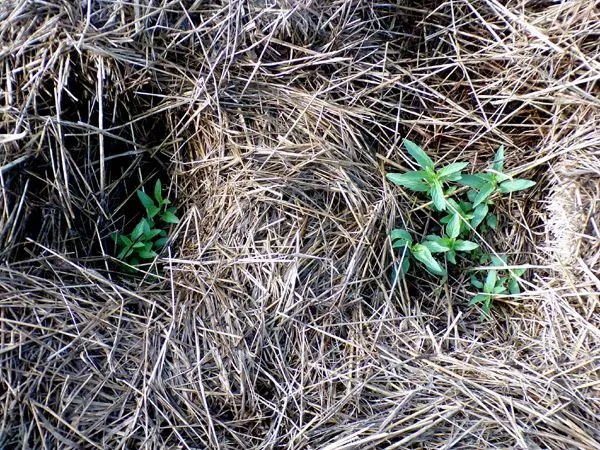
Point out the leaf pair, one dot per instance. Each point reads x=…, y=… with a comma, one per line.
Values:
x=495, y=283
x=427, y=179
x=402, y=239
x=493, y=181
x=153, y=209
x=449, y=246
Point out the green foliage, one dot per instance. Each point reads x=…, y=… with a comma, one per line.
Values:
x=464, y=217
x=428, y=179
x=150, y=235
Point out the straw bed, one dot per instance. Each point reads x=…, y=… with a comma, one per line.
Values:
x=275, y=323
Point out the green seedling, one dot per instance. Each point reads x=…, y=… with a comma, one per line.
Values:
x=427, y=179
x=482, y=217
x=449, y=246
x=461, y=213
x=462, y=220
x=491, y=287
x=494, y=181
x=150, y=235
x=401, y=239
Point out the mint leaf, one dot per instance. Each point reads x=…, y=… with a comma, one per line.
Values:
x=451, y=169
x=418, y=154
x=465, y=246
x=169, y=217
x=436, y=246
x=453, y=227
x=479, y=214
x=400, y=237
x=484, y=193
x=437, y=196
x=473, y=181
x=498, y=164
x=515, y=185
x=145, y=199
x=422, y=254
x=153, y=211
x=158, y=193
x=410, y=180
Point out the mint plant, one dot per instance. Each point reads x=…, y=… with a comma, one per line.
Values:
x=464, y=218
x=428, y=179
x=150, y=235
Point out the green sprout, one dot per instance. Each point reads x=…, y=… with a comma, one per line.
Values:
x=150, y=235
x=464, y=217
x=403, y=240
x=494, y=181
x=428, y=179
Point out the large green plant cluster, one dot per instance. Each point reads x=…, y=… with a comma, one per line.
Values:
x=462, y=205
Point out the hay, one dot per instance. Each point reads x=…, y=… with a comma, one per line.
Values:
x=276, y=325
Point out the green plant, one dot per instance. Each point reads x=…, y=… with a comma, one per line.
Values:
x=421, y=252
x=149, y=236
x=463, y=217
x=428, y=179
x=491, y=287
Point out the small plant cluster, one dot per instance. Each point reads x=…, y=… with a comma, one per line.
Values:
x=465, y=215
x=149, y=236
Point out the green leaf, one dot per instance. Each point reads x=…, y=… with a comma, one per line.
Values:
x=138, y=231
x=451, y=169
x=145, y=199
x=418, y=154
x=515, y=185
x=422, y=254
x=465, y=246
x=479, y=298
x=405, y=264
x=169, y=217
x=151, y=234
x=125, y=253
x=437, y=196
x=147, y=225
x=153, y=211
x=484, y=193
x=517, y=273
x=492, y=221
x=474, y=181
x=134, y=261
x=475, y=282
x=148, y=254
x=436, y=246
x=513, y=286
x=125, y=241
x=500, y=289
x=453, y=227
x=479, y=214
x=498, y=164
x=138, y=245
x=451, y=255
x=158, y=193
x=490, y=281
x=160, y=243
x=410, y=180
x=498, y=261
x=401, y=236
x=487, y=306
x=454, y=177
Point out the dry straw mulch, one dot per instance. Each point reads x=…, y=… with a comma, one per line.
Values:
x=276, y=325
